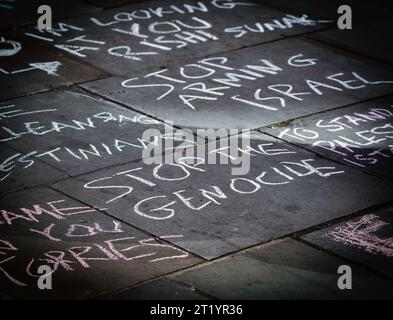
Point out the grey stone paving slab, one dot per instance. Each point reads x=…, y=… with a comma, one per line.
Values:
x=283, y=270
x=73, y=132
x=90, y=253
x=367, y=38
x=22, y=12
x=151, y=34
x=13, y=165
x=27, y=66
x=327, y=9
x=286, y=190
x=162, y=289
x=296, y=78
x=360, y=136
x=366, y=239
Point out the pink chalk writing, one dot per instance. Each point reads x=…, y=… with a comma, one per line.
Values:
x=362, y=235
x=109, y=242
x=124, y=249
x=30, y=214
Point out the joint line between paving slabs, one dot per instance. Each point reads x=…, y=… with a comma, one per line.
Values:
x=296, y=234
x=337, y=255
x=321, y=155
x=360, y=56
x=290, y=121
x=127, y=223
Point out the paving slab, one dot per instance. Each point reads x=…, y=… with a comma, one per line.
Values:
x=85, y=248
x=286, y=190
x=75, y=133
x=366, y=239
x=293, y=78
x=151, y=34
x=360, y=136
x=27, y=66
x=21, y=12
x=283, y=270
x=327, y=9
x=368, y=38
x=12, y=171
x=162, y=289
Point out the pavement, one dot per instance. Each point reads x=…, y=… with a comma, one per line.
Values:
x=82, y=105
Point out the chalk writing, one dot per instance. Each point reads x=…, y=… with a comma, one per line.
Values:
x=34, y=125
x=156, y=31
x=161, y=207
x=49, y=68
x=7, y=4
x=361, y=138
x=115, y=242
x=63, y=153
x=194, y=83
x=362, y=234
x=10, y=112
x=286, y=22
x=15, y=47
x=37, y=128
x=37, y=211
